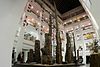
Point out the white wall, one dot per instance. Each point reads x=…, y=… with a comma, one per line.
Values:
x=92, y=8
x=10, y=13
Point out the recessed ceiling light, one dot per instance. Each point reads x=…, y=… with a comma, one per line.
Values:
x=37, y=11
x=71, y=28
x=67, y=30
x=89, y=23
x=65, y=22
x=70, y=20
x=39, y=24
x=70, y=32
x=47, y=29
x=28, y=19
x=46, y=18
x=43, y=26
x=84, y=15
x=29, y=22
x=77, y=27
x=31, y=7
x=82, y=25
x=32, y=19
x=78, y=20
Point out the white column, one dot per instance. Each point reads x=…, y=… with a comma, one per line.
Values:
x=10, y=13
x=64, y=45
x=19, y=45
x=84, y=46
x=40, y=36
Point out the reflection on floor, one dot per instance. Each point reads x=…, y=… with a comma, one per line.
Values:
x=88, y=65
x=39, y=65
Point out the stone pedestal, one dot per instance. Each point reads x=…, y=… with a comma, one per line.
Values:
x=95, y=60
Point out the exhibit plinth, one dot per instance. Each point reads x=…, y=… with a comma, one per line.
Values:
x=45, y=65
x=95, y=60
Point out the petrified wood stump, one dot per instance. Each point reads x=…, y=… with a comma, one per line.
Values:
x=46, y=51
x=68, y=55
x=95, y=60
x=58, y=49
x=37, y=51
x=30, y=56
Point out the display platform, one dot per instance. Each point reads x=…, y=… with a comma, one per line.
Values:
x=45, y=65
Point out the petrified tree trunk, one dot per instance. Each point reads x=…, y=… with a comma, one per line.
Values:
x=37, y=51
x=68, y=55
x=58, y=40
x=58, y=49
x=20, y=57
x=30, y=56
x=49, y=43
x=47, y=50
x=95, y=60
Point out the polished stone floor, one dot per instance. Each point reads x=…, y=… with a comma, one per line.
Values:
x=39, y=65
x=88, y=65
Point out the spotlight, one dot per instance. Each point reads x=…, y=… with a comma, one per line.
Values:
x=37, y=11
x=31, y=7
x=70, y=20
x=39, y=24
x=32, y=19
x=78, y=20
x=46, y=18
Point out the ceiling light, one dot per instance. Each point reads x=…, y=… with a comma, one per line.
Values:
x=31, y=7
x=89, y=23
x=82, y=25
x=28, y=19
x=46, y=18
x=78, y=20
x=70, y=32
x=67, y=30
x=77, y=27
x=84, y=15
x=47, y=29
x=71, y=28
x=37, y=11
x=29, y=22
x=65, y=22
x=43, y=26
x=70, y=20
x=32, y=19
x=39, y=24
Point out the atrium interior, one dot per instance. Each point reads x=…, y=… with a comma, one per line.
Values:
x=50, y=33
